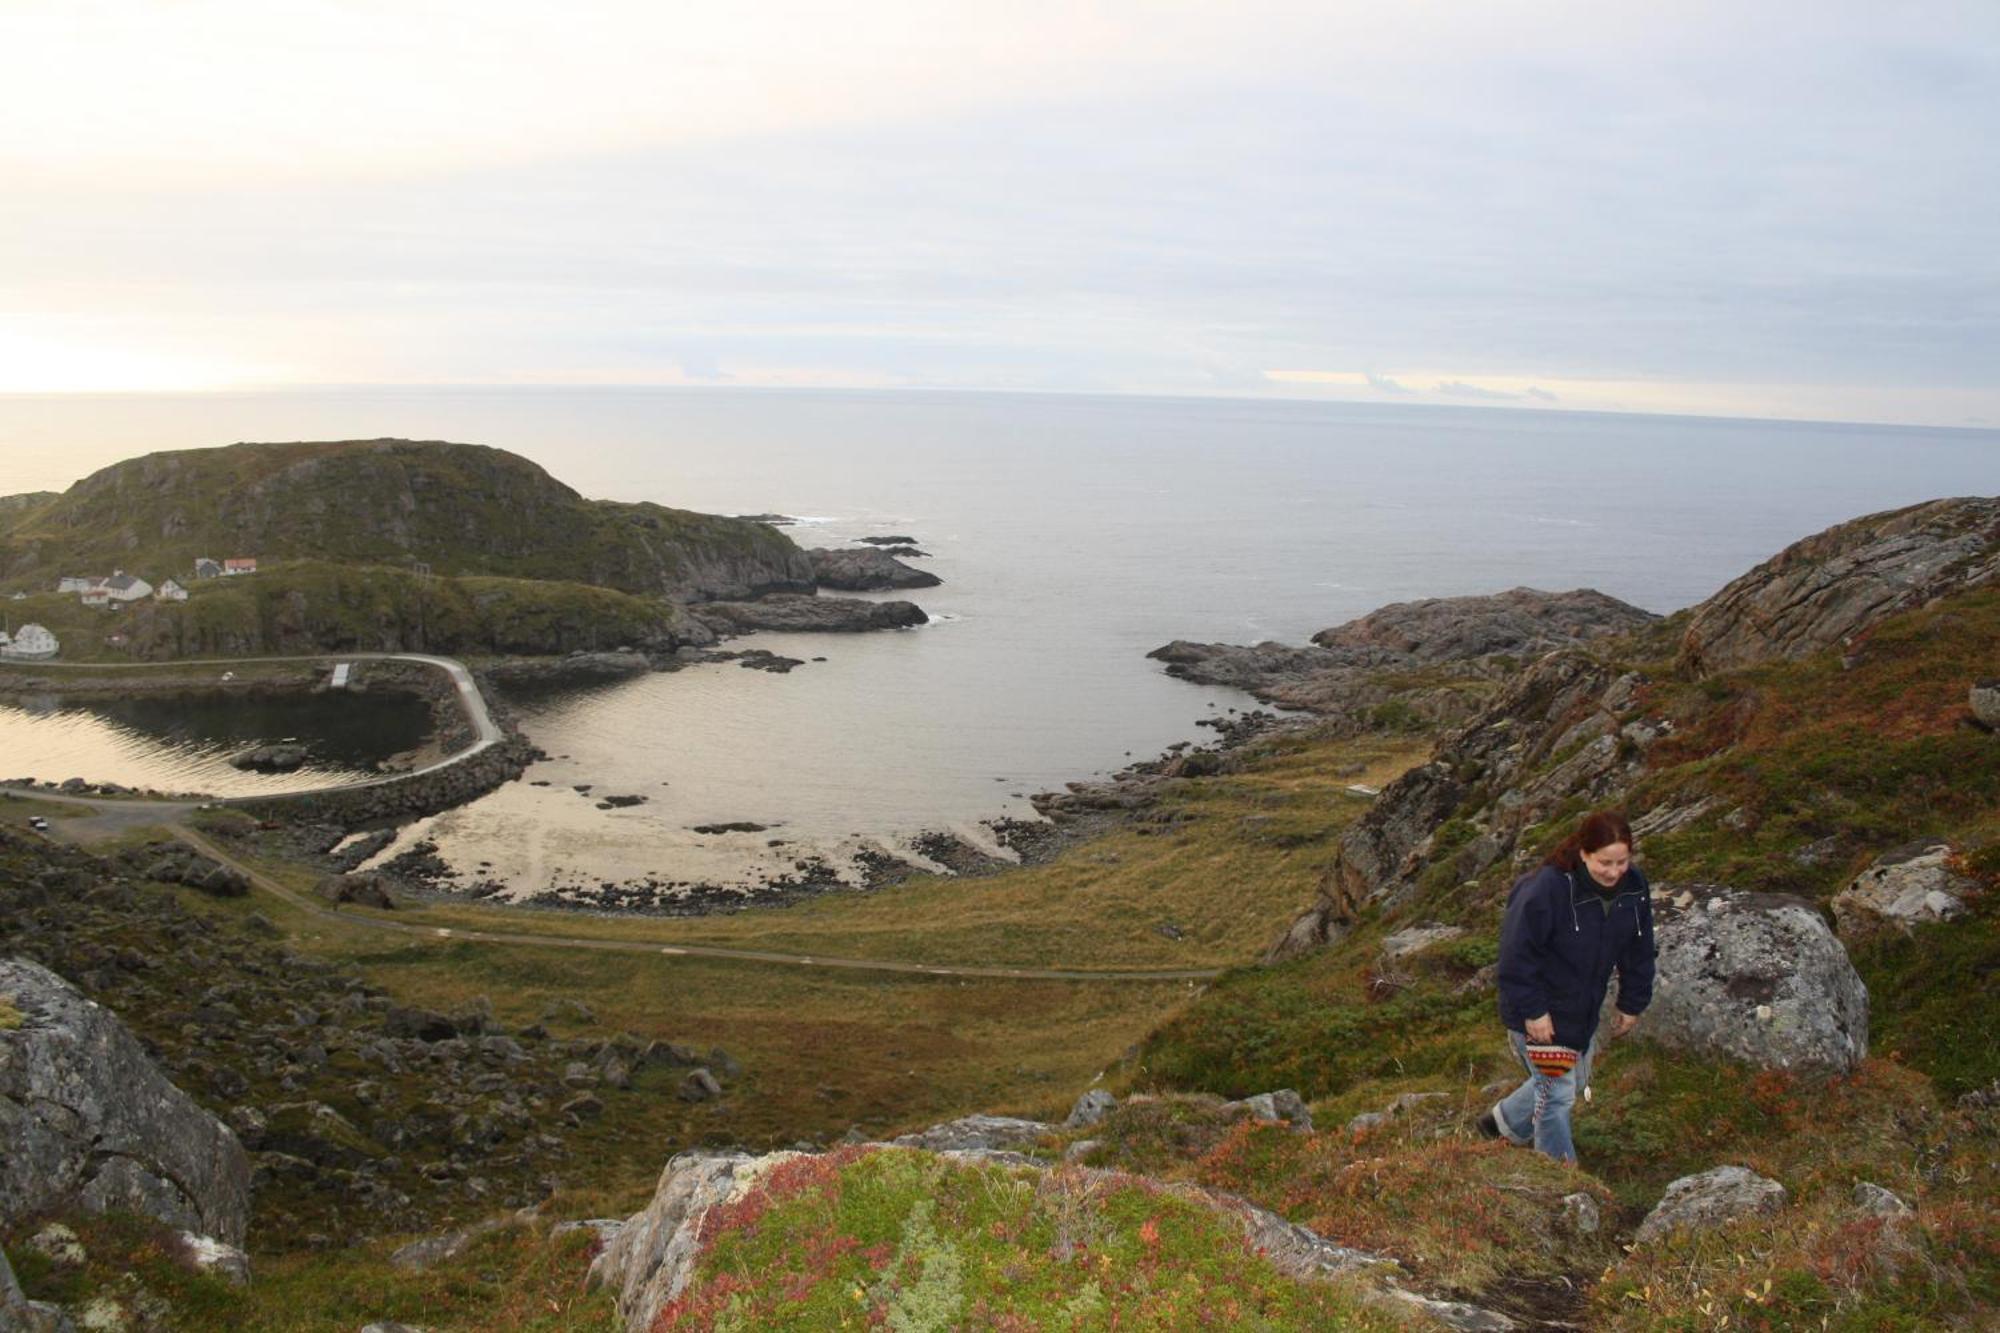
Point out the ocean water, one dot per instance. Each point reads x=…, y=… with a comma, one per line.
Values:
x=1073, y=534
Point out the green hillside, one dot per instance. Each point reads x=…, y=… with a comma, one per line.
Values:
x=311, y=606
x=459, y=508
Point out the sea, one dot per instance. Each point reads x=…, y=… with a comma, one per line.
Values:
x=1073, y=534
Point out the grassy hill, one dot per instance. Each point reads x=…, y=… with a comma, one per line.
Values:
x=1799, y=773
x=310, y=606
x=461, y=509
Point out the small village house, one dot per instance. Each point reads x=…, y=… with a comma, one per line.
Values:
x=31, y=643
x=171, y=591
x=240, y=565
x=204, y=568
x=125, y=587
x=75, y=583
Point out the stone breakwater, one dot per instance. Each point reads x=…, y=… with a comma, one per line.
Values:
x=395, y=799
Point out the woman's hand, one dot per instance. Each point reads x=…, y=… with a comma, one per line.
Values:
x=1542, y=1029
x=1623, y=1024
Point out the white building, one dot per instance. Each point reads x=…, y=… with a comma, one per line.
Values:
x=239, y=565
x=31, y=643
x=124, y=587
x=75, y=583
x=205, y=568
x=171, y=591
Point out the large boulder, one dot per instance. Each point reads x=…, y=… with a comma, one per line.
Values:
x=1710, y=1199
x=652, y=1258
x=1755, y=977
x=177, y=864
x=90, y=1122
x=1911, y=885
x=361, y=889
x=1831, y=588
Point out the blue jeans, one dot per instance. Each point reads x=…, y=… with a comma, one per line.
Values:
x=1538, y=1111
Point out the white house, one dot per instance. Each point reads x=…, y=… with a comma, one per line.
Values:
x=75, y=583
x=31, y=643
x=204, y=568
x=171, y=591
x=241, y=565
x=125, y=587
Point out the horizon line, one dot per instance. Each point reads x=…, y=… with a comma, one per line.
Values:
x=857, y=390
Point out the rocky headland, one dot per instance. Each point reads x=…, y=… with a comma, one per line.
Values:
x=1427, y=662
x=867, y=569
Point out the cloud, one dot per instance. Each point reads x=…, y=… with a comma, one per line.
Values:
x=1461, y=389
x=1630, y=208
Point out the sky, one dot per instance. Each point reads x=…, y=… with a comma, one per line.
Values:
x=1782, y=209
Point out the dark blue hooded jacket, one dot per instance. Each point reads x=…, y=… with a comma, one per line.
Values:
x=1561, y=939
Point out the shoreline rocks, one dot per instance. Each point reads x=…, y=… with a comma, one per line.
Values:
x=867, y=569
x=1418, y=665
x=793, y=613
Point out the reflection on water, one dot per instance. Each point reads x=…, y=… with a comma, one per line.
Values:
x=183, y=742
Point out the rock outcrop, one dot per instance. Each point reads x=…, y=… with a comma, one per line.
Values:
x=790, y=613
x=651, y=1260
x=1711, y=1199
x=362, y=890
x=1755, y=977
x=1555, y=734
x=90, y=1122
x=1522, y=622
x=1831, y=588
x=1912, y=885
x=866, y=569
x=173, y=863
x=1465, y=644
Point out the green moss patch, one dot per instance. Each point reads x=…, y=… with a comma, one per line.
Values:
x=902, y=1239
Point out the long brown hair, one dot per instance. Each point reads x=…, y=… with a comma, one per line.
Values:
x=1599, y=829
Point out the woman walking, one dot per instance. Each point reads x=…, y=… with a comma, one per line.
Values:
x=1585, y=913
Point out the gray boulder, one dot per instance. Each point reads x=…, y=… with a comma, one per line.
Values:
x=976, y=1133
x=651, y=1259
x=1090, y=1109
x=183, y=865
x=1755, y=977
x=1912, y=885
x=90, y=1122
x=1711, y=1199
x=1283, y=1106
x=1830, y=589
x=699, y=1086
x=1874, y=1199
x=363, y=890
x=1984, y=699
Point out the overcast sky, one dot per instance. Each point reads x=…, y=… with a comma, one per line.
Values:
x=1783, y=208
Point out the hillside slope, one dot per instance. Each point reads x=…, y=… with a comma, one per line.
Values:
x=460, y=508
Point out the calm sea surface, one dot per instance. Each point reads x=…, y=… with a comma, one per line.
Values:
x=1073, y=535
